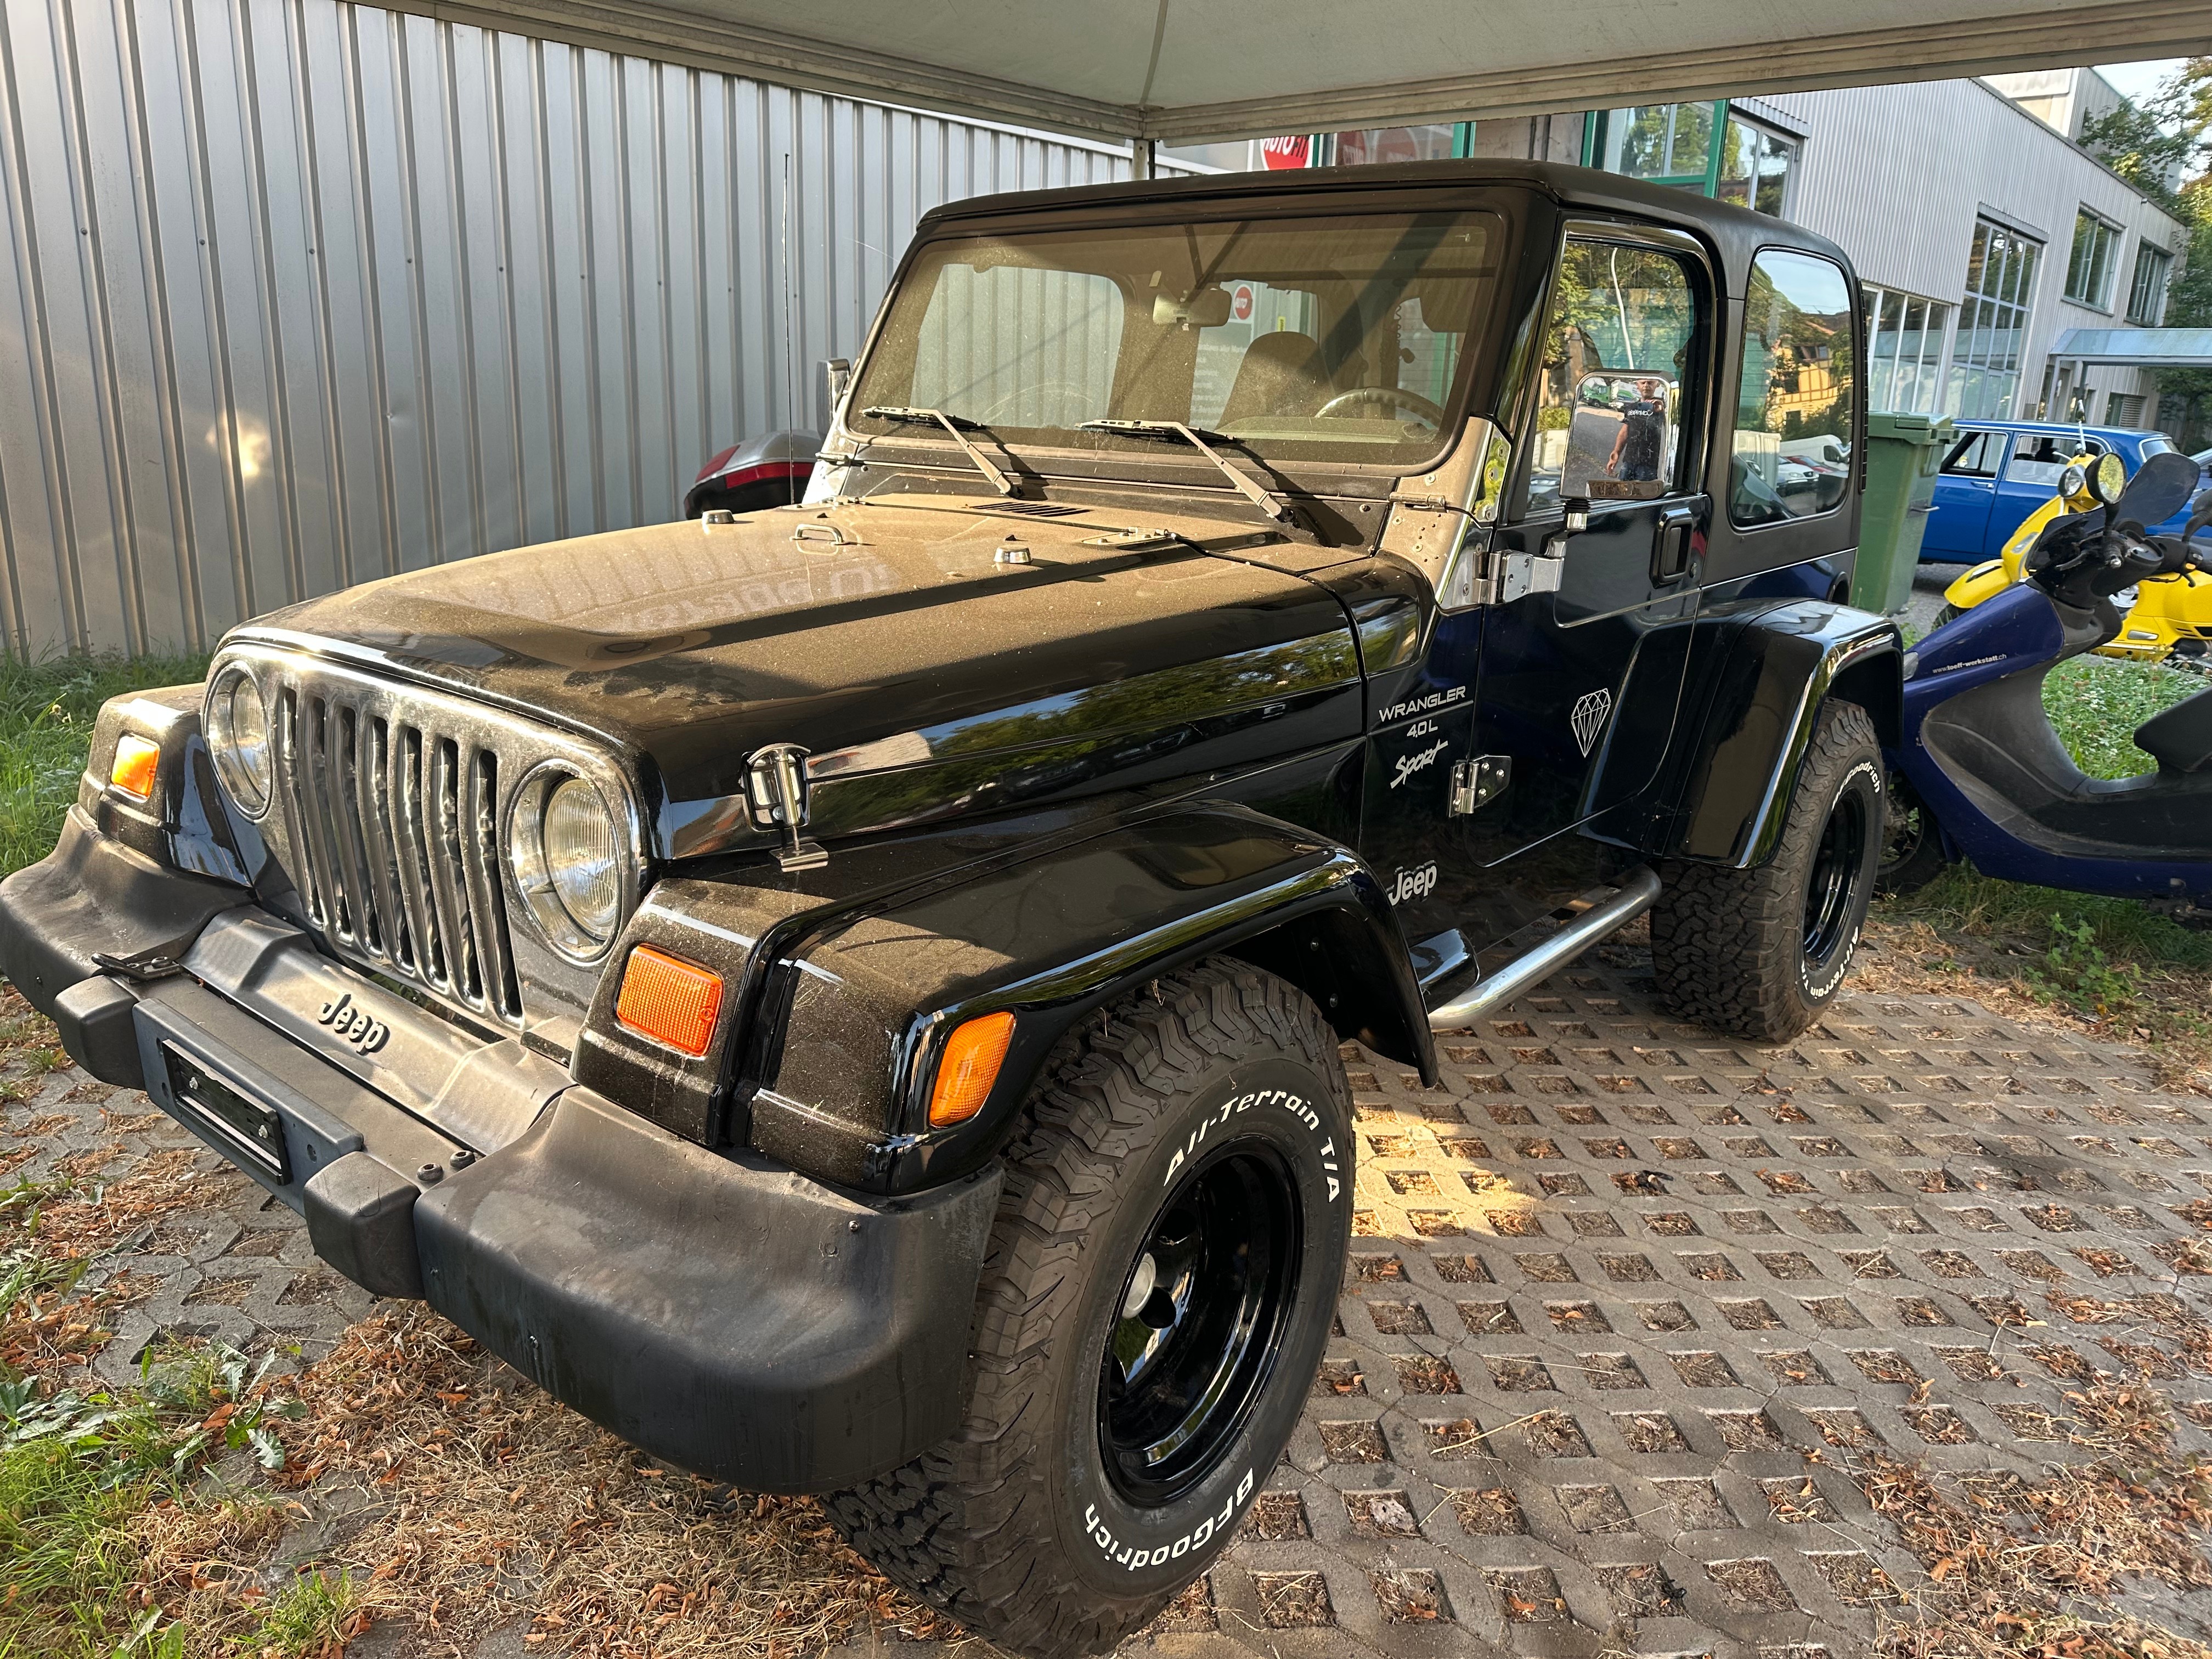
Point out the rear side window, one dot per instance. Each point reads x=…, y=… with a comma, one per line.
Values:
x=1975, y=455
x=2038, y=457
x=1793, y=424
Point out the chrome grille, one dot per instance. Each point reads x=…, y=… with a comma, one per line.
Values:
x=393, y=825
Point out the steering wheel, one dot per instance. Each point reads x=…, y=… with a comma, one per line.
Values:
x=1389, y=396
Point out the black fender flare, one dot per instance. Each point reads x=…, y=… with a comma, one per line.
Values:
x=854, y=1014
x=1757, y=679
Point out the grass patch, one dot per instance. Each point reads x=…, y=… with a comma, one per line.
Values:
x=46, y=714
x=81, y=1474
x=2095, y=704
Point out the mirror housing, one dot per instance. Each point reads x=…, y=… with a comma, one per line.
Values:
x=1208, y=308
x=2108, y=477
x=1605, y=402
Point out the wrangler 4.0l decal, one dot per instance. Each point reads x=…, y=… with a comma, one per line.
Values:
x=1428, y=705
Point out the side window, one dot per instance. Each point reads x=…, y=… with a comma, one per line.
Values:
x=1975, y=455
x=2038, y=457
x=1792, y=422
x=1609, y=419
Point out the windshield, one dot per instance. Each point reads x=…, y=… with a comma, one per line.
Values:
x=1334, y=339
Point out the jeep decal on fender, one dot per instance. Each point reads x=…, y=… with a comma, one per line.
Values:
x=1413, y=884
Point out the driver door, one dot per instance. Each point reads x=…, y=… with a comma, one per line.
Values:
x=1619, y=412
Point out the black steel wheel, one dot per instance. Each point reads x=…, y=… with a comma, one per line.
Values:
x=1839, y=860
x=1202, y=1319
x=1156, y=1296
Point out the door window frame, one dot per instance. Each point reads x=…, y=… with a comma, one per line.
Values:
x=1693, y=420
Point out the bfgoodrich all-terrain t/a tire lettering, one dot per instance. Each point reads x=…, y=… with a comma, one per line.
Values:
x=1040, y=1524
x=1759, y=952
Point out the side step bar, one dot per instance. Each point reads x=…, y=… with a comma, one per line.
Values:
x=1637, y=892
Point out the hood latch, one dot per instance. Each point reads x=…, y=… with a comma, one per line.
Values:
x=777, y=798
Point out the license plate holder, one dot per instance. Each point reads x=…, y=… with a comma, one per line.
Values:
x=253, y=1130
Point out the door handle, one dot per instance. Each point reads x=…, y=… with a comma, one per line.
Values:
x=1670, y=546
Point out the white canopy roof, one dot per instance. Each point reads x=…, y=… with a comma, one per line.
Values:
x=2136, y=348
x=1182, y=71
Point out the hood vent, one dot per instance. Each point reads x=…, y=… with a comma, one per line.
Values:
x=1030, y=510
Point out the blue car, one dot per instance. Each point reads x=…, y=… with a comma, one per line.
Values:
x=1997, y=472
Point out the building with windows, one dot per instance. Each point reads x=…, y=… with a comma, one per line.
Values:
x=1982, y=231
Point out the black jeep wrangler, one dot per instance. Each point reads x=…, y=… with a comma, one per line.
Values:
x=851, y=996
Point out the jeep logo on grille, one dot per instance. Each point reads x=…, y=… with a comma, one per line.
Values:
x=367, y=1035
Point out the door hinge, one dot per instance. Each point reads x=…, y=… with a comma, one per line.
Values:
x=1479, y=781
x=1516, y=575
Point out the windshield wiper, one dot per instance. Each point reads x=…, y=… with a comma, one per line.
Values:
x=1000, y=481
x=1177, y=431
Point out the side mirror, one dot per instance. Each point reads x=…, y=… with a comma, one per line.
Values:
x=1620, y=436
x=2108, y=477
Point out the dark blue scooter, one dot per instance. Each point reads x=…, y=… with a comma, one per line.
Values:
x=1978, y=773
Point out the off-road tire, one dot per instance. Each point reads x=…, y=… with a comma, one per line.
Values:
x=1012, y=1525
x=1729, y=947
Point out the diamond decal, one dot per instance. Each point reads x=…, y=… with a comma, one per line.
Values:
x=1590, y=716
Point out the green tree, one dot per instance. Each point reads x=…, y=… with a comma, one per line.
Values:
x=2172, y=131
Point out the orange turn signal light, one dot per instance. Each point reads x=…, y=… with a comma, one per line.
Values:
x=670, y=1000
x=969, y=1068
x=135, y=760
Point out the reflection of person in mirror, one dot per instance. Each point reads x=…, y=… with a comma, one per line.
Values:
x=1637, y=446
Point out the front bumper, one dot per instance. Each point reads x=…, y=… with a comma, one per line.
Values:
x=724, y=1313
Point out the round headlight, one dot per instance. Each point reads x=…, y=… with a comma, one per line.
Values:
x=238, y=733
x=565, y=849
x=2109, y=477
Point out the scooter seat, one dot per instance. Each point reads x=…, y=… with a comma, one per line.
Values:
x=2180, y=739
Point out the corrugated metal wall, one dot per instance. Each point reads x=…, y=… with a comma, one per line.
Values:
x=297, y=293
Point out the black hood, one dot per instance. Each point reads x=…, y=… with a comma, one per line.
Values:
x=924, y=676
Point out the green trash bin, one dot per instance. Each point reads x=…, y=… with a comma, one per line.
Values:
x=1903, y=454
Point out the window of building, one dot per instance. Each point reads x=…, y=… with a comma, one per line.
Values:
x=2000, y=268
x=1905, y=350
x=1708, y=148
x=1792, y=422
x=1756, y=163
x=2147, y=294
x=1666, y=144
x=2123, y=409
x=2089, y=268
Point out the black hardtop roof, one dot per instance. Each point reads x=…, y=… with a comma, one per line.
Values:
x=1737, y=233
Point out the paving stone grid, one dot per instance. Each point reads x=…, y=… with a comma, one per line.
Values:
x=1606, y=1281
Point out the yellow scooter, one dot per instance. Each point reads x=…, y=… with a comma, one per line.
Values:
x=2171, y=613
